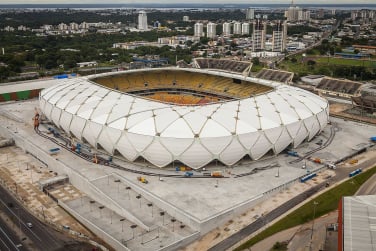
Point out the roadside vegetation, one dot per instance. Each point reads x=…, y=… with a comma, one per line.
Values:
x=325, y=203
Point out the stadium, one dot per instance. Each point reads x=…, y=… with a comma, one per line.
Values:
x=184, y=116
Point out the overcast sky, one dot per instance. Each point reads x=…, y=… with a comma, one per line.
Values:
x=188, y=1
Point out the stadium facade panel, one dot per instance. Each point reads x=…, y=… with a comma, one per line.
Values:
x=133, y=126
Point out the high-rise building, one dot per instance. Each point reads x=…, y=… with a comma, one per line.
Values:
x=198, y=30
x=304, y=15
x=250, y=14
x=63, y=26
x=292, y=13
x=259, y=35
x=211, y=30
x=185, y=18
x=245, y=28
x=226, y=29
x=279, y=36
x=237, y=28
x=295, y=13
x=84, y=25
x=74, y=26
x=142, y=21
x=362, y=14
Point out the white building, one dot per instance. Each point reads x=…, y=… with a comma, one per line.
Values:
x=9, y=29
x=295, y=13
x=245, y=28
x=74, y=26
x=226, y=29
x=211, y=30
x=47, y=27
x=292, y=14
x=237, y=28
x=22, y=28
x=198, y=30
x=87, y=64
x=185, y=18
x=84, y=25
x=142, y=21
x=304, y=15
x=63, y=27
x=250, y=14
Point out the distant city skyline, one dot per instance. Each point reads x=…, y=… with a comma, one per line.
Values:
x=188, y=2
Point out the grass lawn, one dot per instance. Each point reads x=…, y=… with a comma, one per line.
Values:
x=327, y=202
x=344, y=61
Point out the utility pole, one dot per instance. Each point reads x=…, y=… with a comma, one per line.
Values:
x=315, y=203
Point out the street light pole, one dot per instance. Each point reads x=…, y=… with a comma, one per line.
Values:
x=162, y=214
x=315, y=203
x=122, y=224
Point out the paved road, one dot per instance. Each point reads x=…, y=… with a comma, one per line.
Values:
x=369, y=187
x=43, y=237
x=8, y=239
x=253, y=227
x=341, y=173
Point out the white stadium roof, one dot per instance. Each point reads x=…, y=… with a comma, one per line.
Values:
x=195, y=134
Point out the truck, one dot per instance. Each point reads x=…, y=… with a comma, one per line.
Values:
x=356, y=172
x=292, y=153
x=188, y=174
x=331, y=166
x=54, y=151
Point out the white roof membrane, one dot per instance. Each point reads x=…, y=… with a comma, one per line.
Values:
x=193, y=134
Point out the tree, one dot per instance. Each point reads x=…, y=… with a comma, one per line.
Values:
x=311, y=64
x=256, y=61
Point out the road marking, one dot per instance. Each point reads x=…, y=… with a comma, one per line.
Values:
x=14, y=245
x=4, y=244
x=23, y=223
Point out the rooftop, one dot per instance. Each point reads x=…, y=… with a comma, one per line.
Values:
x=359, y=223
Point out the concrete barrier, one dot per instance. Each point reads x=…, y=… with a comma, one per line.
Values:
x=6, y=142
x=95, y=229
x=181, y=243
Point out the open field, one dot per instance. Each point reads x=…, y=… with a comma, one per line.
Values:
x=345, y=61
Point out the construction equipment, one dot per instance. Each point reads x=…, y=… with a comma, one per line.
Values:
x=95, y=159
x=78, y=148
x=353, y=161
x=53, y=131
x=142, y=179
x=217, y=174
x=317, y=160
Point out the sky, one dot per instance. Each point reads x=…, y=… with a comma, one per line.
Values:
x=188, y=1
